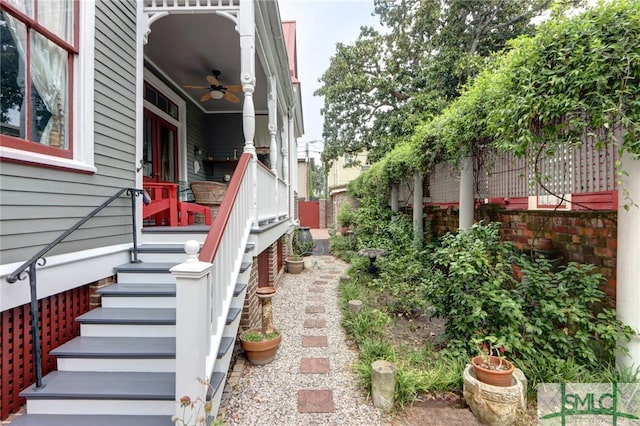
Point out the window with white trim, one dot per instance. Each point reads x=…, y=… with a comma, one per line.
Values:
x=39, y=40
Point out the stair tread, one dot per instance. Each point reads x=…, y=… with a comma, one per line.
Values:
x=225, y=344
x=244, y=266
x=146, y=267
x=161, y=248
x=239, y=288
x=139, y=289
x=129, y=316
x=104, y=385
x=249, y=247
x=233, y=314
x=117, y=347
x=93, y=420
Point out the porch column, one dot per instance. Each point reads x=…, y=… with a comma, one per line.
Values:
x=246, y=28
x=417, y=210
x=466, y=194
x=273, y=125
x=628, y=267
x=287, y=131
x=394, y=197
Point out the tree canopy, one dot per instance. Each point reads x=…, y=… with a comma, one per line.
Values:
x=378, y=89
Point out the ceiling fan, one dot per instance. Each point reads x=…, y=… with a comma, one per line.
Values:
x=216, y=90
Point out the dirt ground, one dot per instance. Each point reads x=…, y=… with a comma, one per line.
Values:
x=434, y=410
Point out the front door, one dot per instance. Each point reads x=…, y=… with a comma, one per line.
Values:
x=160, y=150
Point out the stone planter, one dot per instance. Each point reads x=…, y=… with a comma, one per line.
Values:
x=492, y=374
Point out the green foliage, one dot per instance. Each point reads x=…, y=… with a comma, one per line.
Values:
x=542, y=321
x=346, y=215
x=342, y=246
x=258, y=336
x=404, y=74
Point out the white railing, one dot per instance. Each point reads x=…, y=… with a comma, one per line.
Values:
x=163, y=5
x=273, y=198
x=204, y=286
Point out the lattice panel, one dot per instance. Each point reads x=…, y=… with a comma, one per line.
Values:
x=57, y=315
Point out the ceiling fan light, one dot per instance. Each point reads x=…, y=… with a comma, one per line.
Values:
x=217, y=94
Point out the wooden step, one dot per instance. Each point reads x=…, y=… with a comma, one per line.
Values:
x=84, y=420
x=151, y=354
x=138, y=295
x=128, y=322
x=157, y=272
x=106, y=393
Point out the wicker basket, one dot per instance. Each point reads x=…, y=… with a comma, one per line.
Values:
x=208, y=193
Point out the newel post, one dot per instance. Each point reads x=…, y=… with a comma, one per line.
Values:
x=193, y=327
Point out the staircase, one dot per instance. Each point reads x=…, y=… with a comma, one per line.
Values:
x=121, y=369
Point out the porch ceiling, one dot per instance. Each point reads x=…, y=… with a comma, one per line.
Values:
x=186, y=47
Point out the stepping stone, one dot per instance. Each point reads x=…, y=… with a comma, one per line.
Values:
x=315, y=323
x=327, y=277
x=316, y=290
x=315, y=401
x=314, y=299
x=320, y=282
x=314, y=366
x=314, y=342
x=315, y=309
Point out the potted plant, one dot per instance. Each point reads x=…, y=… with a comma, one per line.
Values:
x=346, y=217
x=295, y=262
x=261, y=344
x=490, y=366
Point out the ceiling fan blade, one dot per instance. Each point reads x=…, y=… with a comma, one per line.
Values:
x=234, y=88
x=213, y=81
x=190, y=86
x=205, y=97
x=231, y=97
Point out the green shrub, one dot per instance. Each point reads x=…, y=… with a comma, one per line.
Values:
x=346, y=215
x=543, y=321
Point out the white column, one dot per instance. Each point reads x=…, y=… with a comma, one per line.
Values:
x=246, y=28
x=417, y=210
x=193, y=321
x=628, y=265
x=466, y=194
x=394, y=197
x=273, y=125
x=293, y=162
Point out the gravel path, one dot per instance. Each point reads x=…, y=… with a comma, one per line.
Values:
x=279, y=393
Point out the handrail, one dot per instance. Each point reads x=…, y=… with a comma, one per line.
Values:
x=39, y=260
x=214, y=238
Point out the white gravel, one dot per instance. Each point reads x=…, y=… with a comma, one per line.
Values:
x=268, y=395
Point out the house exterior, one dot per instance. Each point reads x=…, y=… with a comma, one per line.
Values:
x=111, y=110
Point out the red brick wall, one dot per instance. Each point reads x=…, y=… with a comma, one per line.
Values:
x=584, y=237
x=251, y=310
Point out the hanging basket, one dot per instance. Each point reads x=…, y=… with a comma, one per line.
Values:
x=500, y=372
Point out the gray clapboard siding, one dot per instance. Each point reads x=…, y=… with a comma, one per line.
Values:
x=37, y=204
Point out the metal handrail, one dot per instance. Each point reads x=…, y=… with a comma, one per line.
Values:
x=39, y=260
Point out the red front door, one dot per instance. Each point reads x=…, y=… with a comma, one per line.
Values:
x=160, y=149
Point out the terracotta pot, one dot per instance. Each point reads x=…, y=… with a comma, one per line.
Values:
x=544, y=244
x=260, y=353
x=295, y=266
x=491, y=376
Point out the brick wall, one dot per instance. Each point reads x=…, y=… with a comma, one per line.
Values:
x=584, y=237
x=251, y=315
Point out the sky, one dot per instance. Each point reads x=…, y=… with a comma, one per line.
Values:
x=320, y=24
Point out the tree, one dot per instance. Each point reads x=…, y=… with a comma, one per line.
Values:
x=378, y=89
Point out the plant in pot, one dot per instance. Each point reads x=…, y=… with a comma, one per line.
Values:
x=295, y=262
x=346, y=217
x=490, y=366
x=261, y=344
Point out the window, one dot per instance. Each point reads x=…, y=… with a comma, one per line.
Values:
x=38, y=46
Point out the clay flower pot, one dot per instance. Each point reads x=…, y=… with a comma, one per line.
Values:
x=295, y=265
x=259, y=352
x=494, y=373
